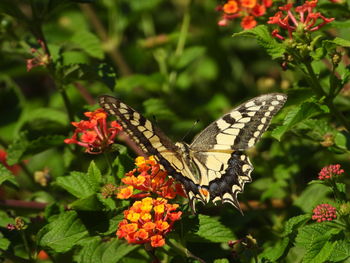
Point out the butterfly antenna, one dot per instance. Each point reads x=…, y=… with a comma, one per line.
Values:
x=190, y=130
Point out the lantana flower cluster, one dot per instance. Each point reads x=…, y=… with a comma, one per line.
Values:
x=324, y=212
x=41, y=58
x=149, y=178
x=330, y=172
x=300, y=18
x=148, y=220
x=246, y=10
x=95, y=134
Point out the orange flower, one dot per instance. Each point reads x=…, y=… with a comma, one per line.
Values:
x=150, y=227
x=248, y=3
x=125, y=193
x=230, y=7
x=248, y=22
x=246, y=10
x=157, y=241
x=149, y=178
x=95, y=135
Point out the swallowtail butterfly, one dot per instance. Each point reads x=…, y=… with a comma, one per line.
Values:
x=214, y=166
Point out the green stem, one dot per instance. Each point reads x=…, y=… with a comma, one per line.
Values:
x=184, y=31
x=185, y=251
x=315, y=85
x=66, y=103
x=109, y=161
x=26, y=246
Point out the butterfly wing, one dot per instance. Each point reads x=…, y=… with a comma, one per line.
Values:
x=242, y=127
x=151, y=140
x=218, y=150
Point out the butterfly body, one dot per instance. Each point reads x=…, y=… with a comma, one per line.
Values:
x=213, y=167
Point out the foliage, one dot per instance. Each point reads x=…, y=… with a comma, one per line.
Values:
x=172, y=62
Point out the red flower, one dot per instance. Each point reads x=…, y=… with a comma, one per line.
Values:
x=247, y=9
x=96, y=134
x=324, y=212
x=301, y=18
x=149, y=178
x=148, y=221
x=330, y=171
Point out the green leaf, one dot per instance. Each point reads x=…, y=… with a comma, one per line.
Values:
x=82, y=185
x=310, y=234
x=221, y=260
x=89, y=43
x=337, y=42
x=21, y=146
x=152, y=82
x=188, y=55
x=274, y=253
x=296, y=115
x=341, y=251
x=7, y=176
x=319, y=251
x=97, y=251
x=211, y=230
x=90, y=203
x=311, y=196
x=4, y=242
x=295, y=222
x=158, y=108
x=265, y=40
x=41, y=116
x=63, y=233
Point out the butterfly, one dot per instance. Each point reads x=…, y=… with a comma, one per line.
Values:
x=214, y=166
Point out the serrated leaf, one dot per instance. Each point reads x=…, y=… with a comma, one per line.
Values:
x=63, y=233
x=319, y=251
x=7, y=176
x=211, y=230
x=294, y=222
x=274, y=253
x=265, y=40
x=340, y=252
x=81, y=185
x=97, y=251
x=309, y=234
x=89, y=43
x=296, y=115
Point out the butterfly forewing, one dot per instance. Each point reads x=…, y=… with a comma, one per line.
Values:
x=148, y=137
x=242, y=127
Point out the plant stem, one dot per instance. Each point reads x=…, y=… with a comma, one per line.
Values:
x=113, y=50
x=26, y=246
x=315, y=84
x=185, y=251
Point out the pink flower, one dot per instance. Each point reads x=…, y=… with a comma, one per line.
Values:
x=324, y=212
x=330, y=171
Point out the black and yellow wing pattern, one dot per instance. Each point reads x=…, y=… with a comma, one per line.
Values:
x=213, y=167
